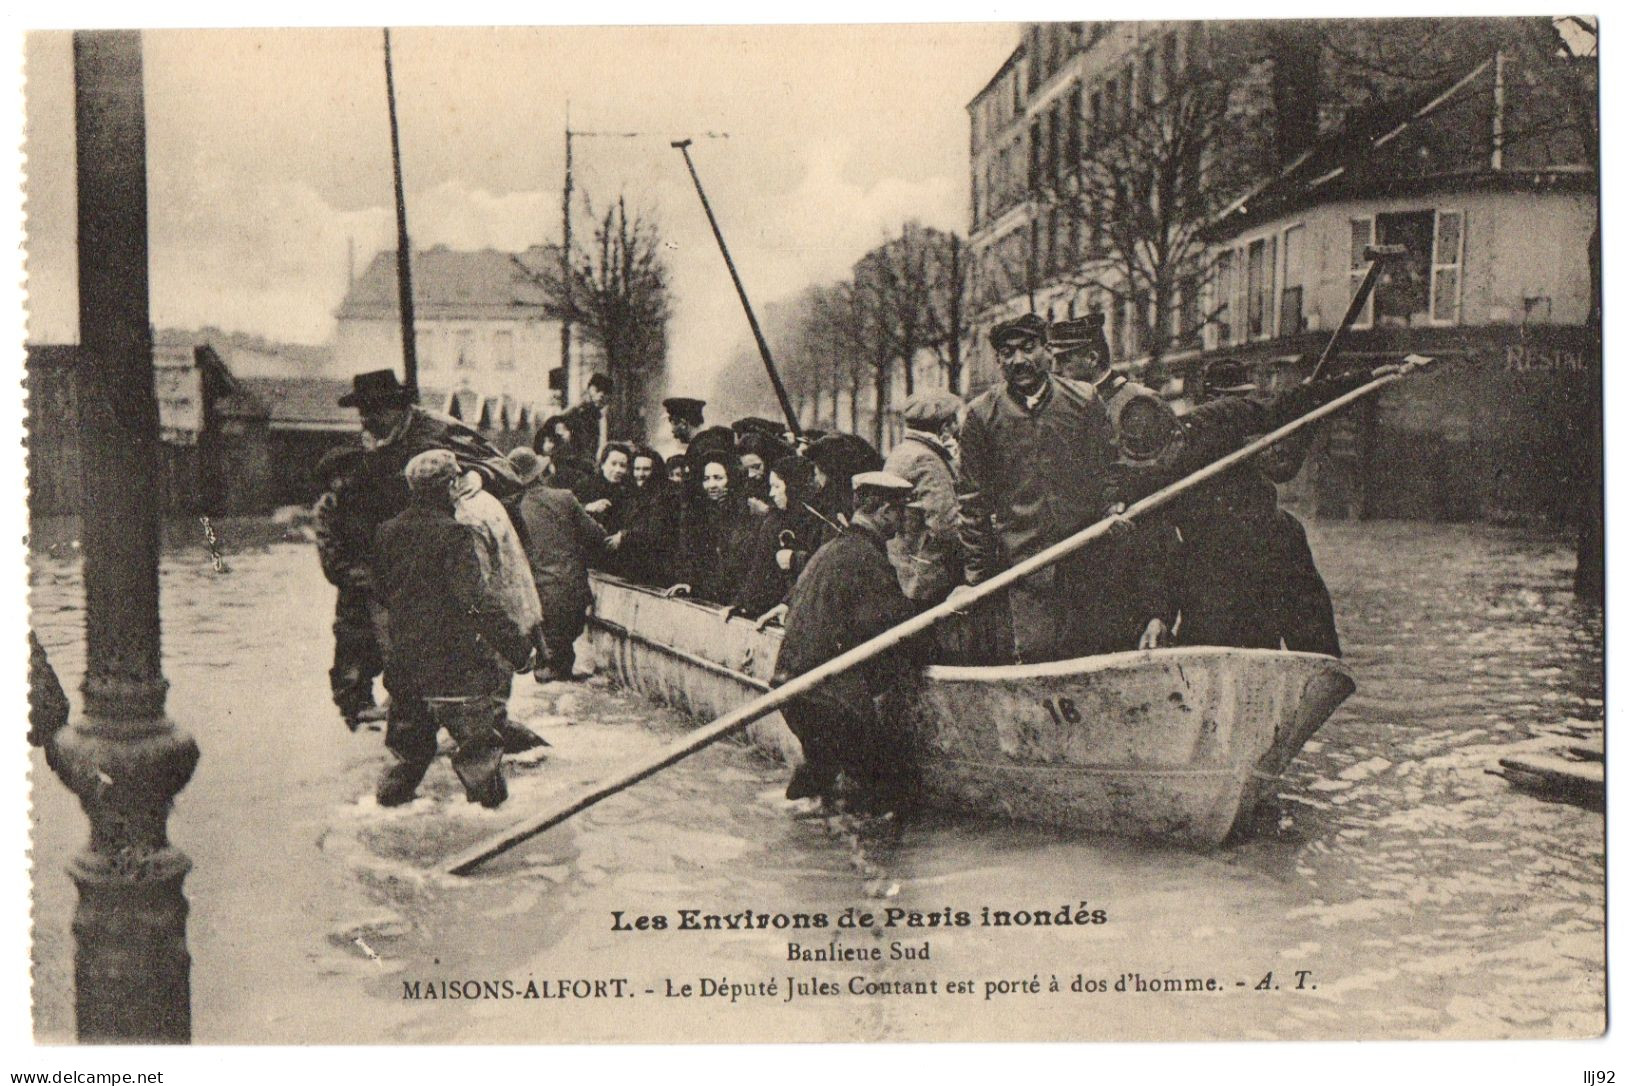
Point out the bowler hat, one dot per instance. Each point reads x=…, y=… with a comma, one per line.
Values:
x=376, y=387
x=750, y=424
x=1028, y=325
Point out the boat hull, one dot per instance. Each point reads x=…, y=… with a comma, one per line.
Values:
x=1174, y=744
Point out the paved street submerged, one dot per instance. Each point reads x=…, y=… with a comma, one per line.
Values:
x=1426, y=897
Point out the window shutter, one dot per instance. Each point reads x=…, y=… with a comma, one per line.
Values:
x=1447, y=253
x=1359, y=238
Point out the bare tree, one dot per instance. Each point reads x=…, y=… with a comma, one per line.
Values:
x=1162, y=163
x=618, y=295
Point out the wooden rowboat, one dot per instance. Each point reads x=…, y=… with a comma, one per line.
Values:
x=1175, y=744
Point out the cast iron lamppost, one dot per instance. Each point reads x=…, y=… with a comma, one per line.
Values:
x=124, y=759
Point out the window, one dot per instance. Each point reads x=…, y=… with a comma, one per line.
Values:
x=1190, y=312
x=1223, y=315
x=1422, y=287
x=502, y=348
x=1261, y=289
x=1170, y=62
x=1096, y=119
x=1120, y=336
x=1292, y=320
x=1055, y=148
x=1447, y=247
x=1110, y=107
x=465, y=349
x=1359, y=238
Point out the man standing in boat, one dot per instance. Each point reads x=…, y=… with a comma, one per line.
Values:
x=850, y=726
x=1034, y=455
x=1128, y=605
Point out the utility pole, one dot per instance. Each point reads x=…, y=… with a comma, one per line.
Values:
x=124, y=759
x=566, y=276
x=403, y=246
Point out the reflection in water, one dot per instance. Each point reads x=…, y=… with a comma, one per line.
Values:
x=1398, y=890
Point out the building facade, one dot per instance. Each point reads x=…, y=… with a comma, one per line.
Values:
x=487, y=344
x=1478, y=173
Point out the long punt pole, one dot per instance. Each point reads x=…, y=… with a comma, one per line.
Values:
x=726, y=725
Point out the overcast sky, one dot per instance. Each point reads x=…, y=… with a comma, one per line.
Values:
x=268, y=151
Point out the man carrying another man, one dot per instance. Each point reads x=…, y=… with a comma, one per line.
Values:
x=452, y=649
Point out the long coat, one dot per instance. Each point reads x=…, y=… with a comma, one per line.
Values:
x=926, y=552
x=847, y=595
x=508, y=581
x=716, y=538
x=1030, y=477
x=444, y=637
x=559, y=539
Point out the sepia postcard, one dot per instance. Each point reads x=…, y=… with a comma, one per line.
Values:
x=954, y=532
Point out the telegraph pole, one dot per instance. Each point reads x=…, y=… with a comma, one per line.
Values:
x=124, y=759
x=565, y=272
x=403, y=247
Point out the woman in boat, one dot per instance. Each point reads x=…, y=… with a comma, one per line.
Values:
x=652, y=522
x=756, y=452
x=781, y=540
x=715, y=532
x=564, y=467
x=607, y=494
x=837, y=458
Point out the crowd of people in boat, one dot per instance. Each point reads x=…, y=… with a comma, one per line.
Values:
x=458, y=566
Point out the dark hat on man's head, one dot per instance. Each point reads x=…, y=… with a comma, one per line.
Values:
x=682, y=407
x=1087, y=332
x=378, y=387
x=1026, y=326
x=1227, y=377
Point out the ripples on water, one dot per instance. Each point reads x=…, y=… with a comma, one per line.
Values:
x=1426, y=897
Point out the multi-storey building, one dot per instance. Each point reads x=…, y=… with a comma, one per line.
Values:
x=486, y=340
x=1478, y=172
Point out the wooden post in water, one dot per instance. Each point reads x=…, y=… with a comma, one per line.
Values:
x=124, y=759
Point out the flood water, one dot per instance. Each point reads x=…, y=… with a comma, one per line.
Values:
x=1400, y=891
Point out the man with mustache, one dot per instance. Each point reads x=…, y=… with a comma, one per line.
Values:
x=1034, y=455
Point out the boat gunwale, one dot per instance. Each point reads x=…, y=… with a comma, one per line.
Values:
x=990, y=673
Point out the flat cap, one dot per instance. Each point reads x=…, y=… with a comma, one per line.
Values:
x=883, y=481
x=682, y=407
x=931, y=408
x=426, y=469
x=526, y=464
x=1025, y=326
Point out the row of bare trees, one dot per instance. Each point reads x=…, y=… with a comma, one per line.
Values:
x=842, y=347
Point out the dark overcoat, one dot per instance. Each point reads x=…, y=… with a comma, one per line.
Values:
x=847, y=594
x=444, y=641
x=1030, y=477
x=560, y=538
